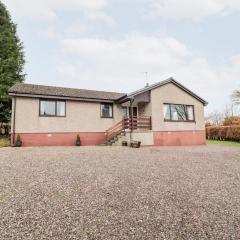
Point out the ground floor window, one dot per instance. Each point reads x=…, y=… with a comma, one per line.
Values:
x=106, y=110
x=52, y=108
x=125, y=112
x=178, y=112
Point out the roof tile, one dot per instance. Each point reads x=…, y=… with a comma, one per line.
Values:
x=30, y=89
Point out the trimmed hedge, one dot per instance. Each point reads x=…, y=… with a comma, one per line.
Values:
x=231, y=121
x=231, y=133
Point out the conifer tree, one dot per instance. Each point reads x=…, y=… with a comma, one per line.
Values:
x=11, y=61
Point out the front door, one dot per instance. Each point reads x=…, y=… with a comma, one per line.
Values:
x=134, y=112
x=133, y=121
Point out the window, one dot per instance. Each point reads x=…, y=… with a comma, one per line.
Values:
x=106, y=110
x=61, y=108
x=178, y=112
x=52, y=108
x=125, y=112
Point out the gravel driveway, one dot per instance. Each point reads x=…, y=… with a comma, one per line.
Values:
x=120, y=193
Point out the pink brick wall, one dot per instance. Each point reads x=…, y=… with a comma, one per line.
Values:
x=179, y=138
x=61, y=139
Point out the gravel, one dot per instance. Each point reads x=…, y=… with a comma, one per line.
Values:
x=120, y=193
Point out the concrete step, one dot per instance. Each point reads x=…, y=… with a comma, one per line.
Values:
x=117, y=140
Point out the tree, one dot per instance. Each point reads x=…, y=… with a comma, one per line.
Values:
x=236, y=97
x=214, y=118
x=228, y=111
x=11, y=61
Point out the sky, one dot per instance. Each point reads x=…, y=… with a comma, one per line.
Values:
x=110, y=44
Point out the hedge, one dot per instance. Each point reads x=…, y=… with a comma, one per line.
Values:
x=231, y=133
x=231, y=121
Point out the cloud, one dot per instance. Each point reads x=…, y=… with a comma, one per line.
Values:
x=119, y=65
x=96, y=15
x=48, y=9
x=195, y=10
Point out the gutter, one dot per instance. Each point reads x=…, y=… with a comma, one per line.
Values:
x=61, y=97
x=13, y=120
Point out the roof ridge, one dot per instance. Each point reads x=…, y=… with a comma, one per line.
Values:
x=59, y=87
x=164, y=82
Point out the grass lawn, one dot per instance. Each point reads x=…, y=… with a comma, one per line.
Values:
x=227, y=143
x=4, y=142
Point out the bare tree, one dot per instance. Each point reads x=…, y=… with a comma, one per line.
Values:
x=229, y=111
x=236, y=97
x=215, y=118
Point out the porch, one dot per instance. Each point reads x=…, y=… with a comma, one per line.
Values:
x=137, y=121
x=136, y=106
x=132, y=128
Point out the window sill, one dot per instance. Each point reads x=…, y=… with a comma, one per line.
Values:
x=107, y=117
x=181, y=121
x=51, y=116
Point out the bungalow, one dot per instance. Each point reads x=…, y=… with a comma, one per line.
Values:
x=162, y=114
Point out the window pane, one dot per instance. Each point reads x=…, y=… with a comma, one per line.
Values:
x=179, y=112
x=60, y=108
x=174, y=113
x=166, y=112
x=125, y=112
x=190, y=113
x=106, y=110
x=47, y=108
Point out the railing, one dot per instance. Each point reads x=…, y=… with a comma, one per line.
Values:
x=115, y=130
x=139, y=123
x=128, y=123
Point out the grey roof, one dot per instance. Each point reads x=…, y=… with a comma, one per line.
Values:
x=162, y=83
x=83, y=94
x=39, y=90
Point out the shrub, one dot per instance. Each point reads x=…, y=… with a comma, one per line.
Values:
x=4, y=142
x=222, y=133
x=231, y=121
x=78, y=141
x=208, y=124
x=18, y=142
x=213, y=132
x=231, y=133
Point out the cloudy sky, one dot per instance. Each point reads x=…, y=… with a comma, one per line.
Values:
x=109, y=44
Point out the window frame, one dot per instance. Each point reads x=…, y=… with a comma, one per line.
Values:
x=127, y=112
x=55, y=101
x=177, y=104
x=103, y=103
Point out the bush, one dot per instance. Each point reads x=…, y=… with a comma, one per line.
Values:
x=231, y=133
x=18, y=142
x=5, y=129
x=78, y=141
x=4, y=142
x=231, y=121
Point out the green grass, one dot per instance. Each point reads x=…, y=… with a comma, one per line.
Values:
x=226, y=143
x=4, y=142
